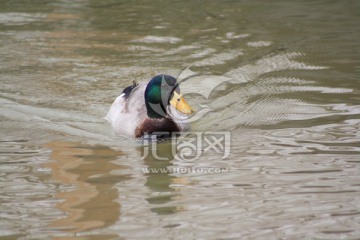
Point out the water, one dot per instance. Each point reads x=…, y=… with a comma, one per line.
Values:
x=286, y=84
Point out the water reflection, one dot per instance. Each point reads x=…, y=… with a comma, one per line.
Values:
x=94, y=201
x=159, y=179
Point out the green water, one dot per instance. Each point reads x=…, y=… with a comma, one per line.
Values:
x=290, y=102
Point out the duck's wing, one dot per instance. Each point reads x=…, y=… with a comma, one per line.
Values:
x=120, y=103
x=128, y=110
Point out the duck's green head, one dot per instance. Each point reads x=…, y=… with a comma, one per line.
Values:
x=161, y=91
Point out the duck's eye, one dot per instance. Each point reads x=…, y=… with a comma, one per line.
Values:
x=178, y=99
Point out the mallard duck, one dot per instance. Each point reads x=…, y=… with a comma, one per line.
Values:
x=149, y=108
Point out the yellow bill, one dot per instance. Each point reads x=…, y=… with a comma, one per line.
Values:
x=179, y=103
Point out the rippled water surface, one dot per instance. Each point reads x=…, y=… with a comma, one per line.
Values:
x=281, y=76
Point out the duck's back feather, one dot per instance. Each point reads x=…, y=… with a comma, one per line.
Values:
x=127, y=91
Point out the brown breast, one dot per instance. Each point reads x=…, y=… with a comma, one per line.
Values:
x=153, y=126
